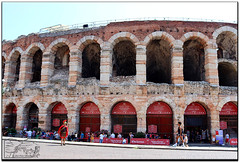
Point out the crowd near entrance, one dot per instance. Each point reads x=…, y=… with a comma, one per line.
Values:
x=89, y=118
x=196, y=123
x=124, y=119
x=160, y=120
x=229, y=119
x=59, y=114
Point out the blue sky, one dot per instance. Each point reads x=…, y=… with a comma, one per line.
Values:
x=22, y=18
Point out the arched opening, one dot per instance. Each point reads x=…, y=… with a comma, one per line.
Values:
x=227, y=45
x=32, y=116
x=3, y=66
x=61, y=62
x=160, y=120
x=10, y=116
x=89, y=118
x=227, y=74
x=59, y=114
x=193, y=60
x=91, y=61
x=196, y=123
x=37, y=66
x=124, y=59
x=159, y=61
x=229, y=119
x=18, y=65
x=124, y=118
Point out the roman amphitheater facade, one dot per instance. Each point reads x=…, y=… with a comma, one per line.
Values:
x=137, y=62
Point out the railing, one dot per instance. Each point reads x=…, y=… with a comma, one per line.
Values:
x=88, y=25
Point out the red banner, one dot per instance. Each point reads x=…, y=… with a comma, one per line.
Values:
x=56, y=122
x=195, y=109
x=140, y=141
x=159, y=142
x=223, y=125
x=87, y=129
x=90, y=108
x=59, y=109
x=124, y=108
x=116, y=140
x=152, y=128
x=14, y=111
x=233, y=141
x=117, y=128
x=159, y=108
x=229, y=109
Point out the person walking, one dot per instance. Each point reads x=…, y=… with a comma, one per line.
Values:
x=179, y=134
x=101, y=138
x=63, y=132
x=227, y=138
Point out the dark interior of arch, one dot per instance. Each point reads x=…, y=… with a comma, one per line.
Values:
x=33, y=116
x=33, y=109
x=193, y=61
x=226, y=46
x=62, y=58
x=18, y=64
x=3, y=66
x=124, y=59
x=227, y=74
x=158, y=62
x=91, y=61
x=37, y=66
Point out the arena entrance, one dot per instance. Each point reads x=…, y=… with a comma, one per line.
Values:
x=33, y=116
x=89, y=118
x=59, y=114
x=195, y=123
x=160, y=120
x=229, y=119
x=124, y=118
x=10, y=116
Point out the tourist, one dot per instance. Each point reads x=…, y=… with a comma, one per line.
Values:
x=76, y=136
x=63, y=132
x=179, y=134
x=119, y=135
x=124, y=141
x=227, y=138
x=101, y=138
x=29, y=134
x=112, y=135
x=92, y=138
x=185, y=141
x=81, y=136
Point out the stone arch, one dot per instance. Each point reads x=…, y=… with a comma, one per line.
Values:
x=82, y=103
x=83, y=42
x=12, y=56
x=4, y=55
x=52, y=48
x=9, y=116
x=225, y=100
x=194, y=45
x=200, y=100
x=116, y=38
x=33, y=48
x=54, y=102
x=195, y=35
x=223, y=29
x=115, y=101
x=159, y=35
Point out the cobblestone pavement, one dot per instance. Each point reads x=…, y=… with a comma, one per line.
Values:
x=55, y=151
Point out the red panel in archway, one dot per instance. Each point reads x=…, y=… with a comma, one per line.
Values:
x=195, y=109
x=159, y=108
x=124, y=108
x=229, y=109
x=14, y=111
x=90, y=109
x=59, y=109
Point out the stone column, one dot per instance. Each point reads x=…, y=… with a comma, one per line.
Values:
x=44, y=119
x=211, y=63
x=47, y=68
x=22, y=118
x=141, y=65
x=177, y=63
x=178, y=116
x=105, y=65
x=141, y=123
x=214, y=120
x=75, y=67
x=25, y=75
x=9, y=74
x=73, y=122
x=105, y=122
